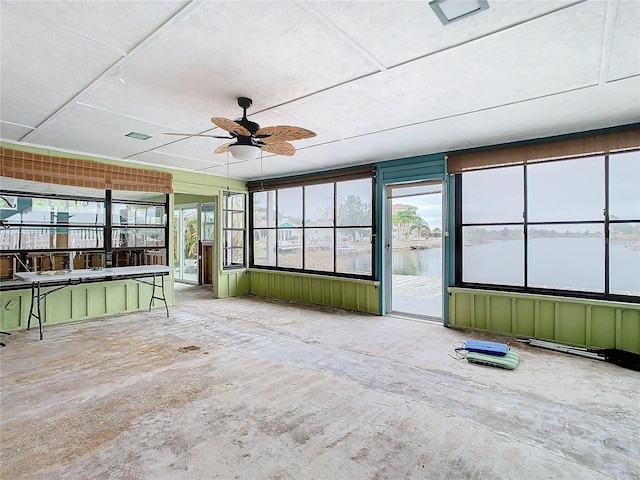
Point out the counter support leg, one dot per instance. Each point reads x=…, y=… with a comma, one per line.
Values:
x=35, y=297
x=39, y=314
x=153, y=293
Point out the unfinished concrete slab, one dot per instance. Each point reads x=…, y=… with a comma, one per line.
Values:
x=249, y=388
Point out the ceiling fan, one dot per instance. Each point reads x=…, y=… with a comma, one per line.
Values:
x=250, y=138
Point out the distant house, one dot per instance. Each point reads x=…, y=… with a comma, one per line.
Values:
x=288, y=233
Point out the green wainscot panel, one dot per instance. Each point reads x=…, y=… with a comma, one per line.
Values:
x=305, y=290
x=133, y=296
x=14, y=307
x=461, y=307
x=630, y=331
x=547, y=321
x=572, y=324
x=316, y=289
x=288, y=290
x=337, y=295
x=232, y=283
x=603, y=327
x=79, y=302
x=242, y=283
x=501, y=314
x=57, y=307
x=525, y=317
x=480, y=316
x=97, y=300
x=570, y=321
x=351, y=294
x=117, y=297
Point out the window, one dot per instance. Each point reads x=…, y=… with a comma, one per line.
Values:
x=569, y=225
x=624, y=223
x=52, y=232
x=492, y=232
x=323, y=227
x=52, y=227
x=208, y=222
x=233, y=230
x=138, y=228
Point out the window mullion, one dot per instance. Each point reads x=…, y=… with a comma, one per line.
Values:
x=606, y=224
x=525, y=226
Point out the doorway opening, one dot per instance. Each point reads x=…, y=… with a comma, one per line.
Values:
x=185, y=243
x=414, y=250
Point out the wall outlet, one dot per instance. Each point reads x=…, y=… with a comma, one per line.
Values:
x=11, y=304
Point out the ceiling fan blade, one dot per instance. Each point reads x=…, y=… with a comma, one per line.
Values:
x=230, y=126
x=283, y=133
x=280, y=148
x=223, y=148
x=194, y=135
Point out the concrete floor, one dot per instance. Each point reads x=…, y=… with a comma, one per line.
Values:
x=246, y=388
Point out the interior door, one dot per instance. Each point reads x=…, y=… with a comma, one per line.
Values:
x=207, y=265
x=414, y=250
x=186, y=243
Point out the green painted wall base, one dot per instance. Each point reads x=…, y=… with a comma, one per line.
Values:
x=350, y=294
x=232, y=283
x=80, y=302
x=570, y=321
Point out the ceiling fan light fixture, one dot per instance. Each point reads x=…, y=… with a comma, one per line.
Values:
x=244, y=152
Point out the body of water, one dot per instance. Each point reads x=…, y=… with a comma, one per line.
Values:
x=421, y=263
x=571, y=263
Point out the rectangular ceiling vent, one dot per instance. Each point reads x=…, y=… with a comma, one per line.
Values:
x=451, y=10
x=139, y=136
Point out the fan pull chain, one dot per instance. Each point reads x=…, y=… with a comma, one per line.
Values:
x=261, y=176
x=228, y=170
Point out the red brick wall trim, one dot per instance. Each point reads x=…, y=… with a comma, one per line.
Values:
x=81, y=173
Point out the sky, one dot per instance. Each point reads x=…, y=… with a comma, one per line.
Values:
x=429, y=206
x=569, y=190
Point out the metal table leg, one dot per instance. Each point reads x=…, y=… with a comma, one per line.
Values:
x=153, y=293
x=35, y=297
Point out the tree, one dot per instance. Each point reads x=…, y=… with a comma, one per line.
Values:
x=353, y=211
x=406, y=221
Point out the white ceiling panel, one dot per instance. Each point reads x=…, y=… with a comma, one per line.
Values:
x=504, y=68
x=85, y=129
x=173, y=161
x=402, y=143
x=197, y=148
x=374, y=25
x=43, y=67
x=624, y=56
x=166, y=82
x=114, y=24
x=585, y=109
x=9, y=131
x=375, y=80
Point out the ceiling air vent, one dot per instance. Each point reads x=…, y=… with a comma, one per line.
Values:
x=139, y=136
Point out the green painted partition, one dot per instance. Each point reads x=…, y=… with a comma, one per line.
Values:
x=347, y=293
x=232, y=283
x=570, y=321
x=80, y=302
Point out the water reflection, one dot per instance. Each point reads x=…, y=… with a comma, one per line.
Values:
x=423, y=263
